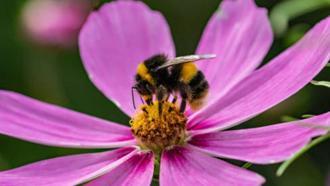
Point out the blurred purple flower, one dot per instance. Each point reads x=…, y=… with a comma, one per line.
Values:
x=54, y=22
x=119, y=36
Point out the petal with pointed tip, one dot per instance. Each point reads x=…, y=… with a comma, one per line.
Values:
x=186, y=167
x=240, y=34
x=31, y=120
x=137, y=171
x=67, y=170
x=115, y=39
x=270, y=85
x=263, y=145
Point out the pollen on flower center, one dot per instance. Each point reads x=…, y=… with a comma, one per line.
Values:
x=157, y=129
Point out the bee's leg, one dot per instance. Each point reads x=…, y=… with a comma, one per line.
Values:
x=167, y=97
x=149, y=101
x=184, y=96
x=175, y=98
x=160, y=108
x=133, y=99
x=142, y=100
x=183, y=105
x=150, y=91
x=145, y=110
x=161, y=95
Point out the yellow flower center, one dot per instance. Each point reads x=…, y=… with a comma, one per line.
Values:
x=156, y=129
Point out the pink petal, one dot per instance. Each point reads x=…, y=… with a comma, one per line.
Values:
x=31, y=120
x=240, y=34
x=268, y=86
x=186, y=167
x=115, y=39
x=263, y=145
x=67, y=170
x=137, y=171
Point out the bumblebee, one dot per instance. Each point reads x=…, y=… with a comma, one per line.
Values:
x=160, y=77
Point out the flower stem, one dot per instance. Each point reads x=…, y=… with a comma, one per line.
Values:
x=287, y=163
x=247, y=165
x=155, y=178
x=285, y=11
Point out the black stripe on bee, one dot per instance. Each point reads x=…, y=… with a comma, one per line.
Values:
x=198, y=91
x=160, y=76
x=138, y=77
x=175, y=75
x=197, y=79
x=155, y=61
x=198, y=85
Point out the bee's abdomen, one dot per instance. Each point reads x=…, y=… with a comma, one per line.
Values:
x=199, y=90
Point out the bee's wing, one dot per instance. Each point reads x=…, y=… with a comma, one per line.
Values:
x=186, y=59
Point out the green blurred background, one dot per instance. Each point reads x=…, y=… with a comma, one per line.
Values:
x=56, y=75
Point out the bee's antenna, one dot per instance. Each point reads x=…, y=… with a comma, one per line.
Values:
x=133, y=99
x=142, y=100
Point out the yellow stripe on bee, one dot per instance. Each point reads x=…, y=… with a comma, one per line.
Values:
x=143, y=71
x=188, y=72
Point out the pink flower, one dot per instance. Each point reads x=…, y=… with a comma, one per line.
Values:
x=54, y=22
x=112, y=43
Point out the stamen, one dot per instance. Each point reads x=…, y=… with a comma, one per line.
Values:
x=156, y=131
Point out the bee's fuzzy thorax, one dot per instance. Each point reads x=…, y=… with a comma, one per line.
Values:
x=188, y=72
